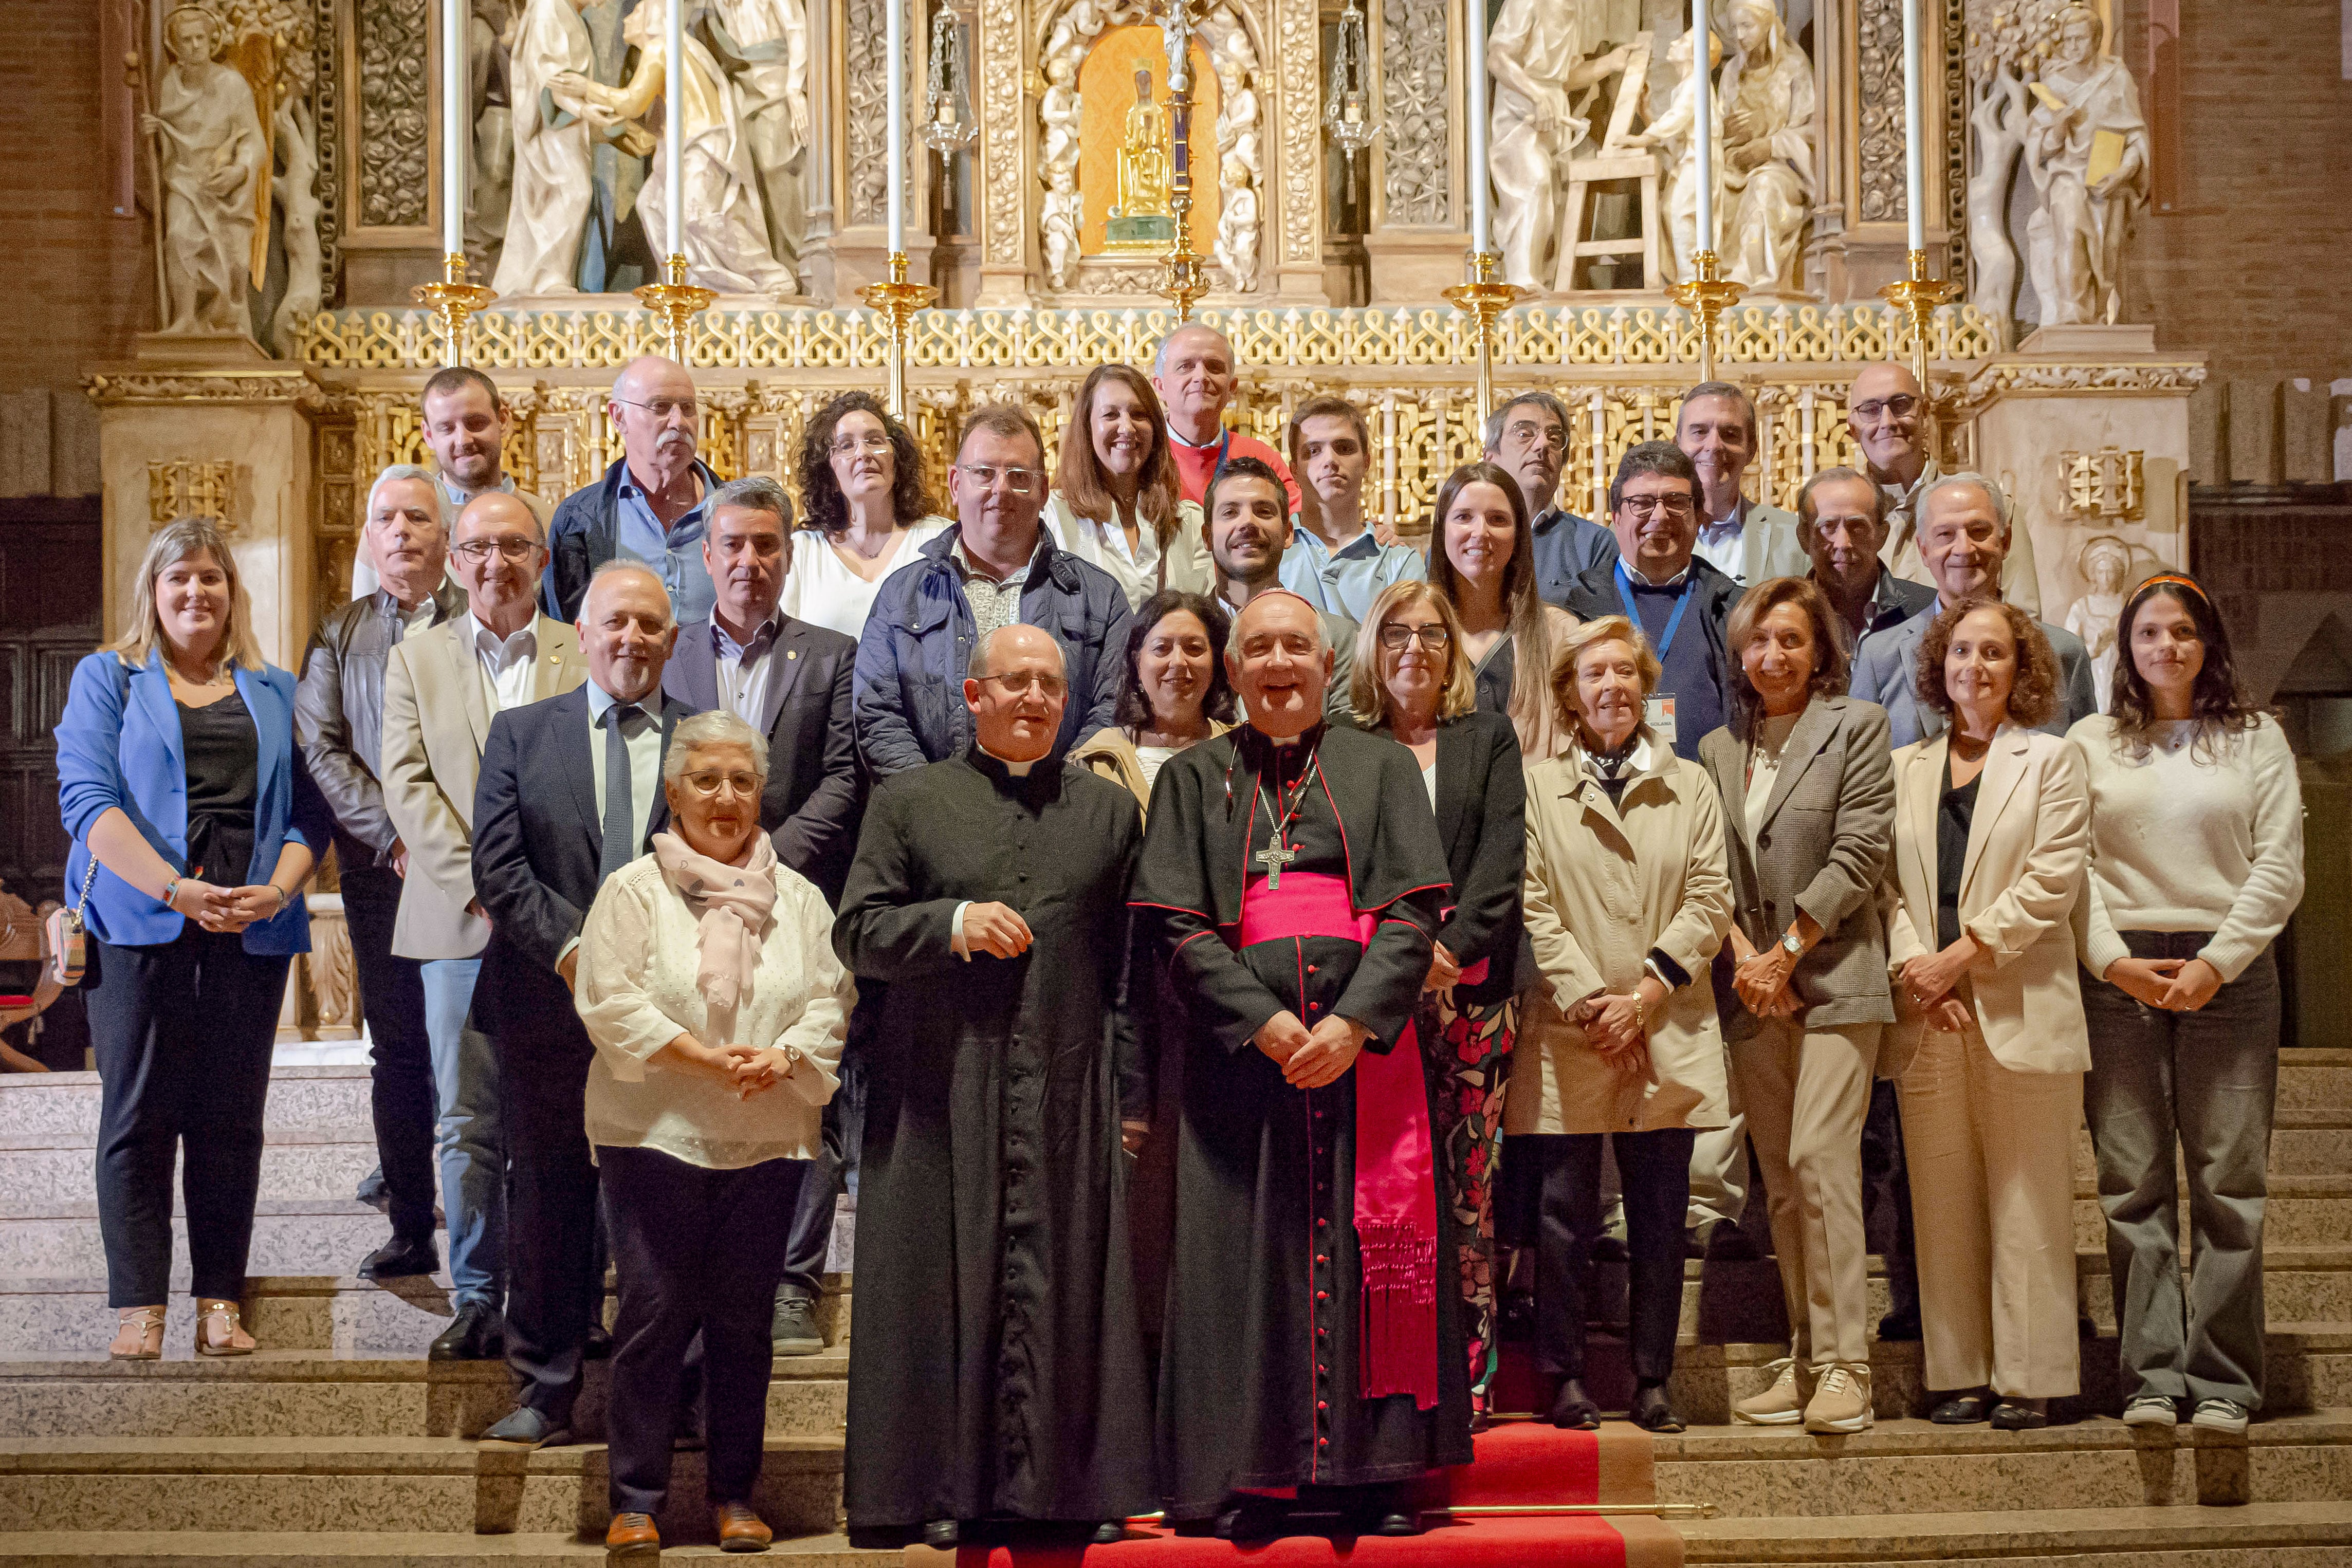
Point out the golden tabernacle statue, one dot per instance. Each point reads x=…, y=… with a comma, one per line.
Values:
x=1141, y=219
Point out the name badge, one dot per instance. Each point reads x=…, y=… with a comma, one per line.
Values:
x=1660, y=715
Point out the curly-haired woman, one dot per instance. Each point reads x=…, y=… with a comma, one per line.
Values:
x=867, y=513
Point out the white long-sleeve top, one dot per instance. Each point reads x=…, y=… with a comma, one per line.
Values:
x=2190, y=838
x=636, y=994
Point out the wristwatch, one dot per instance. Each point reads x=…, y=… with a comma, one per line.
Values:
x=1792, y=945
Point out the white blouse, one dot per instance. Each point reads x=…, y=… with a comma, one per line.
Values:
x=636, y=994
x=1135, y=569
x=822, y=590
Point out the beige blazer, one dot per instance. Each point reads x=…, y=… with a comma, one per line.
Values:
x=2029, y=844
x=1605, y=885
x=436, y=719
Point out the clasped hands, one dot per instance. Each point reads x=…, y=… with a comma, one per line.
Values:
x=2174, y=984
x=747, y=1069
x=1928, y=980
x=1616, y=1024
x=225, y=911
x=1310, y=1058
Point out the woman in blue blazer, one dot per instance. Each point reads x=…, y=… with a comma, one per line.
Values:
x=195, y=825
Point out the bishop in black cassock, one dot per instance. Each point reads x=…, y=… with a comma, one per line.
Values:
x=997, y=1371
x=1297, y=875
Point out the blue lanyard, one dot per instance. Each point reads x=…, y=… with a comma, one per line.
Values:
x=1674, y=622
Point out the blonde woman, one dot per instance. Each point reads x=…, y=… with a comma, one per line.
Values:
x=1411, y=682
x=195, y=825
x=1627, y=900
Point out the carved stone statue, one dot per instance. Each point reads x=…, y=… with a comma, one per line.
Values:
x=1998, y=42
x=211, y=157
x=1237, y=228
x=1237, y=121
x=1536, y=56
x=1674, y=111
x=1143, y=171
x=725, y=231
x=2105, y=563
x=552, y=183
x=489, y=40
x=1768, y=148
x=1059, y=225
x=2086, y=148
x=763, y=46
x=294, y=185
x=1059, y=112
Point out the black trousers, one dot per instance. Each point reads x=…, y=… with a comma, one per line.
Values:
x=1887, y=1177
x=182, y=1032
x=698, y=1253
x=392, y=998
x=555, y=1266
x=1556, y=1184
x=811, y=1227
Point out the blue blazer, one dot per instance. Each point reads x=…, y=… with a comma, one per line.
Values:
x=118, y=745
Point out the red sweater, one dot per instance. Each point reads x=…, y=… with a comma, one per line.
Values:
x=1195, y=466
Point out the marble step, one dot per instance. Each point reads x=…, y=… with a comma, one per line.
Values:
x=2312, y=1142
x=2253, y=1535
x=40, y=1169
x=290, y=1235
x=431, y=1484
x=2302, y=1210
x=42, y=1318
x=2300, y=1284
x=300, y=1393
x=360, y=1549
x=316, y=1099
x=2310, y=1078
x=1913, y=1467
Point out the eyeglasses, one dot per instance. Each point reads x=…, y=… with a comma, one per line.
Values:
x=661, y=408
x=1527, y=433
x=1020, y=481
x=1651, y=506
x=1902, y=406
x=709, y=782
x=1018, y=683
x=850, y=445
x=1433, y=637
x=476, y=551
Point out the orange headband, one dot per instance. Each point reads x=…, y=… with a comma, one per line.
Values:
x=2164, y=577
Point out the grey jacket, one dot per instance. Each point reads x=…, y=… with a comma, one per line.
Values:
x=1885, y=673
x=339, y=716
x=1821, y=846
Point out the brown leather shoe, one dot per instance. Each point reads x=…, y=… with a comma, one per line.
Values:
x=632, y=1538
x=739, y=1529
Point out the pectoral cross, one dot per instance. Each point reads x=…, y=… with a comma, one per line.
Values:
x=1273, y=857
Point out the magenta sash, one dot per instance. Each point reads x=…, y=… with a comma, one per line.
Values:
x=1396, y=1178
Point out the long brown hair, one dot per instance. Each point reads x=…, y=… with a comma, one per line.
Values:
x=2216, y=702
x=1530, y=635
x=1079, y=477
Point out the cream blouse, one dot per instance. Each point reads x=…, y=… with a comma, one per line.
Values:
x=636, y=994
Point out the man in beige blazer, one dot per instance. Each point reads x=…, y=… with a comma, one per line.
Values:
x=442, y=688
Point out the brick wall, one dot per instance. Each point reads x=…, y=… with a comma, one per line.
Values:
x=78, y=282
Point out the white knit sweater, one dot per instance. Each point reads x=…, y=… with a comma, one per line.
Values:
x=2184, y=841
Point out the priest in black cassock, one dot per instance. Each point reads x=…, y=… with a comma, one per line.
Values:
x=1310, y=1361
x=997, y=1372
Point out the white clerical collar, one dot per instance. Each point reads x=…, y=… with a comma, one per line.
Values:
x=1018, y=769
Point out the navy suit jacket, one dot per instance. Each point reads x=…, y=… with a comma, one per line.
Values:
x=539, y=847
x=816, y=789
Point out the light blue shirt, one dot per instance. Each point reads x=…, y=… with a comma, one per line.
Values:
x=1345, y=582
x=642, y=736
x=674, y=553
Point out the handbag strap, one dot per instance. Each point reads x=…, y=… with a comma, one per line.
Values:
x=87, y=876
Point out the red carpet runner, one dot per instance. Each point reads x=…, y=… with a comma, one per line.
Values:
x=1519, y=1462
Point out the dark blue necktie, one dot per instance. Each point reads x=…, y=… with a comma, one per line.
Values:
x=620, y=811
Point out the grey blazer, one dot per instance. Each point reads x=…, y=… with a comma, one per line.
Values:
x=1821, y=846
x=1884, y=671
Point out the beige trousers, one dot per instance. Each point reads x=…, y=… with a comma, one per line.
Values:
x=1993, y=1191
x=1806, y=1092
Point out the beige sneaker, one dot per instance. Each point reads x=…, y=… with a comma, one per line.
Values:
x=1783, y=1404
x=1841, y=1402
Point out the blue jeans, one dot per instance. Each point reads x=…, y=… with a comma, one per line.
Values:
x=471, y=1144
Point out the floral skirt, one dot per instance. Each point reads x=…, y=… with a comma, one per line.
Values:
x=1468, y=1050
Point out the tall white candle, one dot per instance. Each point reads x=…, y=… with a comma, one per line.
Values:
x=1702, y=82
x=1915, y=129
x=455, y=100
x=673, y=128
x=895, y=54
x=1474, y=44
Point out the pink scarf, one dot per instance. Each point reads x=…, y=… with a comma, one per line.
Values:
x=736, y=902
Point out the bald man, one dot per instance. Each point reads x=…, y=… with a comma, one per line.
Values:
x=989, y=895
x=1194, y=373
x=650, y=506
x=1888, y=420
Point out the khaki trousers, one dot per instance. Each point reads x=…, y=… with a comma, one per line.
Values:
x=1992, y=1192
x=1806, y=1092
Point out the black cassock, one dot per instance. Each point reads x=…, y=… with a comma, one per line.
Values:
x=996, y=1370
x=1261, y=1376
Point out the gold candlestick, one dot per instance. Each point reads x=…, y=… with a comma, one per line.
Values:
x=1916, y=297
x=454, y=301
x=1185, y=281
x=676, y=302
x=1705, y=296
x=898, y=301
x=1485, y=296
